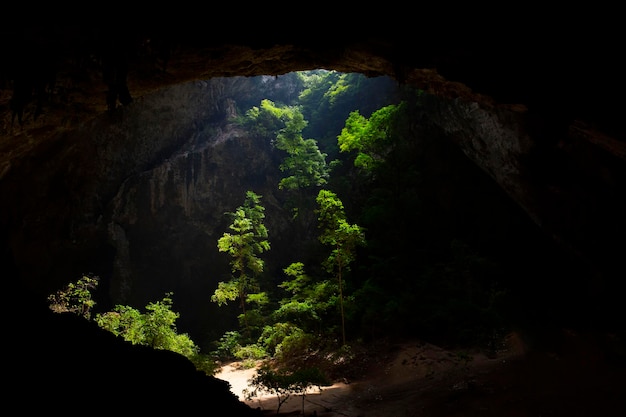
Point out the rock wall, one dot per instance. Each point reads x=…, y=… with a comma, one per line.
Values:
x=165, y=222
x=569, y=181
x=61, y=189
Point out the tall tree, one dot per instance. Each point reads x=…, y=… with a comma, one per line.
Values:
x=247, y=240
x=342, y=236
x=369, y=138
x=309, y=300
x=305, y=163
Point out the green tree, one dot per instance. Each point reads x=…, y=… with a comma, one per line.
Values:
x=125, y=322
x=295, y=327
x=253, y=321
x=304, y=163
x=370, y=138
x=343, y=237
x=75, y=297
x=265, y=120
x=309, y=299
x=328, y=98
x=155, y=328
x=247, y=240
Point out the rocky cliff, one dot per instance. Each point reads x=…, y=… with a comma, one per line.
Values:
x=164, y=222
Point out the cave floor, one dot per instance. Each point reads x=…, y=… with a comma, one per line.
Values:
x=419, y=379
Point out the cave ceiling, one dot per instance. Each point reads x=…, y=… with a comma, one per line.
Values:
x=560, y=67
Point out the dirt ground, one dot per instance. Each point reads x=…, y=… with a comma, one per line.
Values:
x=575, y=378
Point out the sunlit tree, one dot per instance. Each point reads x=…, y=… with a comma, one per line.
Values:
x=304, y=164
x=309, y=299
x=75, y=297
x=155, y=328
x=246, y=241
x=369, y=138
x=342, y=237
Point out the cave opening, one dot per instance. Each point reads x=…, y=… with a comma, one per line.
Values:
x=454, y=260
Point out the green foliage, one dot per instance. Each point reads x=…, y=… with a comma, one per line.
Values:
x=339, y=89
x=155, y=328
x=244, y=245
x=330, y=96
x=248, y=240
x=299, y=279
x=225, y=292
x=310, y=301
x=252, y=352
x=266, y=120
x=337, y=232
x=123, y=321
x=295, y=327
x=159, y=328
x=343, y=239
x=203, y=363
x=300, y=285
x=307, y=166
x=274, y=334
x=370, y=139
x=75, y=297
x=255, y=316
x=228, y=344
x=297, y=344
x=302, y=313
x=305, y=162
x=314, y=96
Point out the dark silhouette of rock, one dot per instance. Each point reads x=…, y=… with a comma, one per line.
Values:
x=64, y=363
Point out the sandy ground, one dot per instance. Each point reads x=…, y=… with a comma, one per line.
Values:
x=315, y=400
x=420, y=379
x=405, y=369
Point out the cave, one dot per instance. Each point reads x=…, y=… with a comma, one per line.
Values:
x=532, y=102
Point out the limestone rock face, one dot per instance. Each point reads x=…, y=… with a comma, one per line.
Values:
x=164, y=222
x=558, y=178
